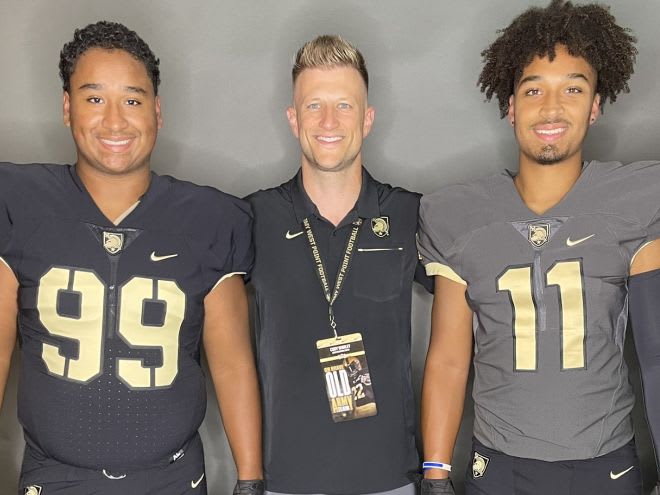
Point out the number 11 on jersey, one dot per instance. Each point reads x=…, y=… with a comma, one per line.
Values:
x=518, y=282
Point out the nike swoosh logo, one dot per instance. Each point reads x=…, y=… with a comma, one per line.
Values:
x=154, y=257
x=195, y=484
x=570, y=243
x=618, y=475
x=289, y=235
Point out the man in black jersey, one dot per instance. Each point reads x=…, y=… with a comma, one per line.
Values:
x=115, y=276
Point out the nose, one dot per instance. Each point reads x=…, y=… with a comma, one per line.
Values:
x=552, y=106
x=113, y=117
x=328, y=118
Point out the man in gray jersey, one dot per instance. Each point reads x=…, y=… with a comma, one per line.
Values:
x=541, y=257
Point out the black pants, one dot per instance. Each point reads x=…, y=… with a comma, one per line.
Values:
x=41, y=475
x=494, y=473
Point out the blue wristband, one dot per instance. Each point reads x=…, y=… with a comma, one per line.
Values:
x=426, y=465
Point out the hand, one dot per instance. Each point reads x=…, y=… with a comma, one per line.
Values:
x=249, y=487
x=438, y=487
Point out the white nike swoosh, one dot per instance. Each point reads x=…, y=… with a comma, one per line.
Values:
x=154, y=257
x=111, y=477
x=618, y=475
x=289, y=235
x=195, y=484
x=570, y=243
x=369, y=250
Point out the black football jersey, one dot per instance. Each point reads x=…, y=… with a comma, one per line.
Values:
x=110, y=316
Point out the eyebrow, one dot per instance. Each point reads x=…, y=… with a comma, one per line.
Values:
x=572, y=75
x=130, y=89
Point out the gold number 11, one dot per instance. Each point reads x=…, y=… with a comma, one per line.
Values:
x=518, y=282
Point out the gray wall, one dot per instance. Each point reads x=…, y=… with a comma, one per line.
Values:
x=225, y=69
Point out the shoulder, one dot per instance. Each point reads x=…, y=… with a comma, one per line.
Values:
x=17, y=175
x=603, y=173
x=468, y=202
x=206, y=203
x=265, y=198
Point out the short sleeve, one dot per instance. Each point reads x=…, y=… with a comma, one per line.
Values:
x=232, y=252
x=6, y=228
x=434, y=244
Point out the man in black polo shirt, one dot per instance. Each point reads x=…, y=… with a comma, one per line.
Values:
x=335, y=261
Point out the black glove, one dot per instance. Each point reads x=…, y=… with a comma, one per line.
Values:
x=249, y=487
x=437, y=487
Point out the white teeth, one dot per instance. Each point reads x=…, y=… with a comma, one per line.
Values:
x=550, y=132
x=329, y=139
x=115, y=143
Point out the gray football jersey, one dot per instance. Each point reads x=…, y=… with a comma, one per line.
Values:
x=550, y=297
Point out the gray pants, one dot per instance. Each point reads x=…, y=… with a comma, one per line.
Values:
x=404, y=490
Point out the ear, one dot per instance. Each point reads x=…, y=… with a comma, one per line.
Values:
x=369, y=115
x=66, y=109
x=159, y=115
x=511, y=112
x=292, y=117
x=595, y=110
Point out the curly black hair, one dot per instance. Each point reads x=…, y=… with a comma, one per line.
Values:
x=587, y=31
x=109, y=36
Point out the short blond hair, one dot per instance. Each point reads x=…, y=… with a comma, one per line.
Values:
x=328, y=51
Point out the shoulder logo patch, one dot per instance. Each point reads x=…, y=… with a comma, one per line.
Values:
x=32, y=490
x=479, y=465
x=113, y=242
x=380, y=226
x=538, y=234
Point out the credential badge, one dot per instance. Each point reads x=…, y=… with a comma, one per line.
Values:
x=381, y=226
x=33, y=490
x=538, y=234
x=113, y=242
x=479, y=465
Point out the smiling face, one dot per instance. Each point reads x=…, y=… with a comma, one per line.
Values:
x=552, y=107
x=330, y=117
x=112, y=111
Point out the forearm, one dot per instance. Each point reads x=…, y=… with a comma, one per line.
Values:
x=443, y=396
x=240, y=406
x=644, y=298
x=231, y=362
x=8, y=315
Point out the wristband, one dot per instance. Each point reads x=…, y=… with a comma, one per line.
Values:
x=426, y=465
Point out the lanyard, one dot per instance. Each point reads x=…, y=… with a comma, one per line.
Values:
x=343, y=269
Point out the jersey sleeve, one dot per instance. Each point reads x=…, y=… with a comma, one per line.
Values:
x=6, y=225
x=436, y=244
x=231, y=252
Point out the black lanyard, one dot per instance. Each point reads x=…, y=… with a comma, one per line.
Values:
x=343, y=269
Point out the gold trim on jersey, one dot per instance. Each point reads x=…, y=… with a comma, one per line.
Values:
x=225, y=277
x=121, y=217
x=632, y=260
x=436, y=268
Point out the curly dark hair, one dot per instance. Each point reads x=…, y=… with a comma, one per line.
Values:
x=587, y=31
x=109, y=36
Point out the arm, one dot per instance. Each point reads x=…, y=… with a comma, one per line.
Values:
x=228, y=350
x=446, y=372
x=8, y=314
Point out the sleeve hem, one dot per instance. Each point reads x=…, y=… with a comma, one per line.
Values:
x=444, y=271
x=4, y=262
x=224, y=277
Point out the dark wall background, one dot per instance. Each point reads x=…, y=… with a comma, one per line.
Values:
x=225, y=69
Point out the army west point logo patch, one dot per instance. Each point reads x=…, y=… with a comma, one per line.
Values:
x=479, y=465
x=113, y=242
x=538, y=234
x=32, y=490
x=380, y=226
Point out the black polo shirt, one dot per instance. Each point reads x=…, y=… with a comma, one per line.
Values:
x=304, y=450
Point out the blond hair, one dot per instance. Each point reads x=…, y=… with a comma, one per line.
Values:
x=328, y=51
